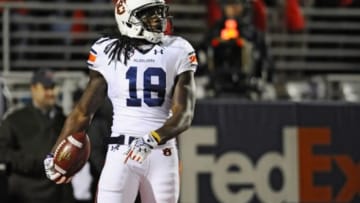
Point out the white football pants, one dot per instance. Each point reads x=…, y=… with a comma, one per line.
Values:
x=157, y=178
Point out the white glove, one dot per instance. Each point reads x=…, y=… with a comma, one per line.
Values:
x=140, y=148
x=49, y=168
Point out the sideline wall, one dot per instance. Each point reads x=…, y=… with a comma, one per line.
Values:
x=281, y=152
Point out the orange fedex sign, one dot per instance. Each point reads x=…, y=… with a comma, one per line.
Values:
x=303, y=162
x=311, y=163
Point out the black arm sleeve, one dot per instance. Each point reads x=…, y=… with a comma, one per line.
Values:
x=19, y=161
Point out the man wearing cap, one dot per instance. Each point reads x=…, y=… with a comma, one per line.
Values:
x=26, y=136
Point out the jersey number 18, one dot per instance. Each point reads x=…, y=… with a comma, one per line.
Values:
x=150, y=99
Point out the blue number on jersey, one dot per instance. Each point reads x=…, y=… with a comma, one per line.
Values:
x=131, y=74
x=149, y=88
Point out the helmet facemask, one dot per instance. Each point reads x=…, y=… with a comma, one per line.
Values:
x=153, y=18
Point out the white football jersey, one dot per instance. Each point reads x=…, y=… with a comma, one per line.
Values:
x=141, y=91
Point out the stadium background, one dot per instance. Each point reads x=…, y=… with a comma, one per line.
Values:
x=298, y=142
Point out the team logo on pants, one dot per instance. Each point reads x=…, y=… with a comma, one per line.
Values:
x=167, y=152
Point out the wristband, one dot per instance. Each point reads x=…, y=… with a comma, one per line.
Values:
x=156, y=136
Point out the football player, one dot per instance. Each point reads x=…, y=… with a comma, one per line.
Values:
x=149, y=78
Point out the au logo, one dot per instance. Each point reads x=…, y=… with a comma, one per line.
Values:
x=167, y=152
x=120, y=7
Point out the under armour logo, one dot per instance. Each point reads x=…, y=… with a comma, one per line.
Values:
x=157, y=51
x=114, y=147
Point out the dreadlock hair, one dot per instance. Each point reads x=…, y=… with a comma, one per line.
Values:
x=122, y=45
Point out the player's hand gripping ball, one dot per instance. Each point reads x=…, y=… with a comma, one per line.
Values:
x=71, y=154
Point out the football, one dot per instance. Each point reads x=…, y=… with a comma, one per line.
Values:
x=72, y=153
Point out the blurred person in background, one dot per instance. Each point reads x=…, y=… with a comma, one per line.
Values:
x=237, y=54
x=294, y=18
x=259, y=12
x=26, y=136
